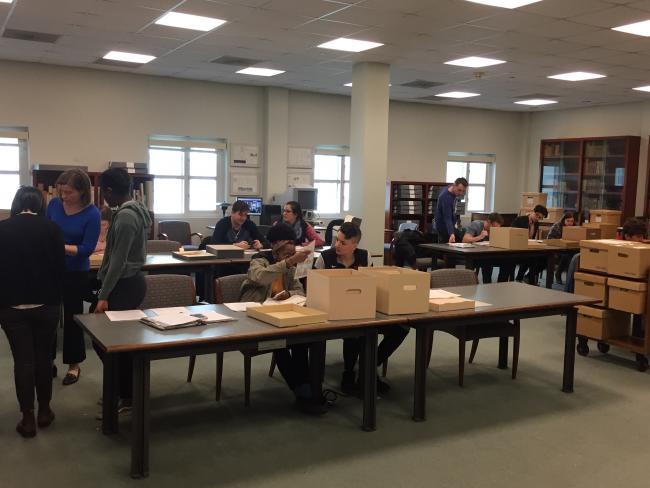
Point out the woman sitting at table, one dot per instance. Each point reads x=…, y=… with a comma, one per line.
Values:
x=32, y=267
x=305, y=233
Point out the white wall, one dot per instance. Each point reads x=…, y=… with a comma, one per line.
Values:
x=614, y=120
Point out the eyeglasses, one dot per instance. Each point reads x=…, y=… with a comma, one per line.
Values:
x=286, y=210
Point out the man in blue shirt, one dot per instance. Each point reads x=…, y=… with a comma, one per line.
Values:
x=445, y=219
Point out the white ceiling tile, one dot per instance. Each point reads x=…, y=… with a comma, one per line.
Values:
x=565, y=8
x=331, y=28
x=304, y=8
x=611, y=17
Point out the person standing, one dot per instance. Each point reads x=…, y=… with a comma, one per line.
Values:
x=305, y=233
x=122, y=282
x=79, y=219
x=445, y=218
x=32, y=264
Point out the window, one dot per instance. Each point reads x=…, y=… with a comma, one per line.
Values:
x=480, y=175
x=189, y=175
x=13, y=165
x=332, y=178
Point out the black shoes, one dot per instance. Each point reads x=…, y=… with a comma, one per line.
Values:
x=71, y=378
x=27, y=426
x=45, y=417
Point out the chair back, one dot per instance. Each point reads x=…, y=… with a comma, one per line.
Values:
x=442, y=278
x=176, y=230
x=169, y=290
x=407, y=226
x=228, y=288
x=161, y=245
x=329, y=230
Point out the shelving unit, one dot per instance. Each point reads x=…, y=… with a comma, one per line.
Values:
x=589, y=173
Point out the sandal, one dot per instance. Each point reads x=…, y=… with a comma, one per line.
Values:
x=70, y=378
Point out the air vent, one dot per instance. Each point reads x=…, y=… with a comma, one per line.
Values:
x=120, y=64
x=23, y=35
x=424, y=84
x=235, y=61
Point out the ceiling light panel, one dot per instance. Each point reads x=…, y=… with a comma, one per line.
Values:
x=189, y=21
x=349, y=45
x=475, y=62
x=260, y=71
x=129, y=57
x=535, y=102
x=458, y=94
x=576, y=76
x=638, y=28
x=643, y=88
x=505, y=3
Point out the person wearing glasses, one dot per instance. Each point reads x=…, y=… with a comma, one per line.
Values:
x=305, y=233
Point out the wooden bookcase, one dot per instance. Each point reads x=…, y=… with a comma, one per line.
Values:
x=412, y=201
x=588, y=173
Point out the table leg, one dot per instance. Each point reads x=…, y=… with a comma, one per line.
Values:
x=550, y=270
x=503, y=353
x=569, y=350
x=316, y=367
x=419, y=396
x=370, y=381
x=469, y=263
x=110, y=388
x=208, y=284
x=140, y=418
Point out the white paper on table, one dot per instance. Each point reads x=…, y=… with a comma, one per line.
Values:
x=241, y=306
x=307, y=264
x=482, y=243
x=169, y=310
x=478, y=304
x=461, y=244
x=210, y=317
x=294, y=299
x=120, y=315
x=438, y=293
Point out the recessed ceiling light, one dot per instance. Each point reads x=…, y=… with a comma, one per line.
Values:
x=457, y=94
x=6, y=1
x=535, y=102
x=643, y=88
x=189, y=21
x=349, y=45
x=475, y=62
x=350, y=84
x=505, y=3
x=260, y=71
x=129, y=57
x=577, y=76
x=638, y=28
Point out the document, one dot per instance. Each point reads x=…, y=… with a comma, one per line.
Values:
x=123, y=315
x=307, y=264
x=169, y=310
x=439, y=293
x=294, y=299
x=241, y=306
x=481, y=304
x=460, y=244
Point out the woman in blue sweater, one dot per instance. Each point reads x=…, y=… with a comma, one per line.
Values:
x=79, y=219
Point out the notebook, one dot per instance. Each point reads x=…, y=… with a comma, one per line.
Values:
x=181, y=320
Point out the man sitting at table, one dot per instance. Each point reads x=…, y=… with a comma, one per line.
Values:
x=530, y=221
x=271, y=274
x=346, y=254
x=238, y=229
x=477, y=231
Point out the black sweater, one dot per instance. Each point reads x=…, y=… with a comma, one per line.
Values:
x=224, y=233
x=32, y=261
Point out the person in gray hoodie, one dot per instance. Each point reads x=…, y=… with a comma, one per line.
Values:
x=122, y=282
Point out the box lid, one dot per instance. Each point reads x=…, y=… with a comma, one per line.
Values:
x=605, y=211
x=601, y=243
x=593, y=278
x=599, y=225
x=598, y=313
x=628, y=284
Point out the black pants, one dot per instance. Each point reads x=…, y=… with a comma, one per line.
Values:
x=301, y=365
x=76, y=288
x=127, y=295
x=30, y=333
x=394, y=335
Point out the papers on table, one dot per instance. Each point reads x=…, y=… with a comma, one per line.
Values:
x=241, y=306
x=122, y=315
x=295, y=299
x=179, y=320
x=482, y=243
x=168, y=310
x=438, y=293
x=482, y=304
x=461, y=244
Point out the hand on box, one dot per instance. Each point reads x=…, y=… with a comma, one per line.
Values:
x=243, y=244
x=257, y=244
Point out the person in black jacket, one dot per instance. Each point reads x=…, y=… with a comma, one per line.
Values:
x=32, y=265
x=238, y=229
x=530, y=221
x=346, y=254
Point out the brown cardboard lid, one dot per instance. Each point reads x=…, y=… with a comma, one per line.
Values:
x=601, y=243
x=599, y=225
x=627, y=284
x=605, y=211
x=593, y=311
x=593, y=278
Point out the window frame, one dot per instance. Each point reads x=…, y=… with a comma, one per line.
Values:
x=488, y=200
x=22, y=137
x=344, y=160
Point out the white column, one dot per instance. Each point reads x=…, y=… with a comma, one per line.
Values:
x=276, y=141
x=369, y=152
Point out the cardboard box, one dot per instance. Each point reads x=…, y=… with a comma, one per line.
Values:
x=592, y=285
x=593, y=254
x=607, y=231
x=96, y=259
x=525, y=210
x=563, y=243
x=602, y=324
x=509, y=238
x=225, y=251
x=449, y=304
x=554, y=215
x=628, y=296
x=579, y=233
x=530, y=199
x=535, y=244
x=629, y=259
x=600, y=216
x=400, y=290
x=286, y=315
x=192, y=255
x=342, y=293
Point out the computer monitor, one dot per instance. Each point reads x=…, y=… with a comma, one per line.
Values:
x=254, y=203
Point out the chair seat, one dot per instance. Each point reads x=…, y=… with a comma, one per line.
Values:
x=499, y=329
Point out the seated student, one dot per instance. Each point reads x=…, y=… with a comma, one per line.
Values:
x=530, y=221
x=305, y=233
x=634, y=230
x=238, y=229
x=568, y=219
x=477, y=231
x=272, y=275
x=346, y=254
x=106, y=215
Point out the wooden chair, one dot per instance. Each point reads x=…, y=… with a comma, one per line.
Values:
x=178, y=230
x=162, y=245
x=446, y=278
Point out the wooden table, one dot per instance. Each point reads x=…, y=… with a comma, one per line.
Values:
x=147, y=344
x=508, y=301
x=479, y=255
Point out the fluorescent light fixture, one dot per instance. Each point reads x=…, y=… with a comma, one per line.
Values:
x=638, y=28
x=349, y=45
x=577, y=76
x=189, y=21
x=350, y=84
x=535, y=102
x=457, y=94
x=6, y=1
x=505, y=3
x=643, y=88
x=260, y=71
x=129, y=57
x=475, y=62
